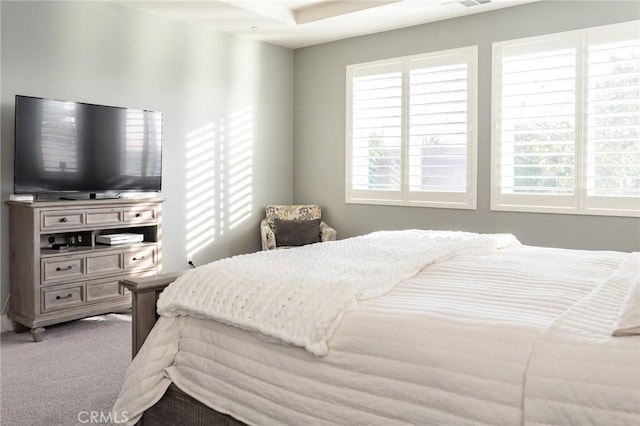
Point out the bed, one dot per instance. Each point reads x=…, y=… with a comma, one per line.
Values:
x=398, y=327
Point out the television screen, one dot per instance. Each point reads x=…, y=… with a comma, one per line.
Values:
x=76, y=147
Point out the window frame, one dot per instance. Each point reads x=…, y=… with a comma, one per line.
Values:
x=404, y=197
x=580, y=202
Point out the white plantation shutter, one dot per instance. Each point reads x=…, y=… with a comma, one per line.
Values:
x=613, y=120
x=377, y=127
x=438, y=122
x=411, y=130
x=538, y=121
x=566, y=124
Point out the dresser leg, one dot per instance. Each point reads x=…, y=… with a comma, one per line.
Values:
x=37, y=333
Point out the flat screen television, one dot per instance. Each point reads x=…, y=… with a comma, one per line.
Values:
x=73, y=148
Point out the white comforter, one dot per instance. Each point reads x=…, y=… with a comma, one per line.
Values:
x=455, y=344
x=578, y=373
x=300, y=296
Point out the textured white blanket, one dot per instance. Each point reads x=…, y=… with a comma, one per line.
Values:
x=299, y=296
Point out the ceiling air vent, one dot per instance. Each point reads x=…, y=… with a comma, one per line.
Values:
x=467, y=3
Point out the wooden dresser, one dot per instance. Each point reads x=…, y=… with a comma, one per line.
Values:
x=51, y=285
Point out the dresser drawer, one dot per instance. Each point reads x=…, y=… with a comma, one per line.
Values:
x=56, y=298
x=62, y=268
x=104, y=263
x=105, y=289
x=60, y=220
x=104, y=216
x=140, y=258
x=140, y=215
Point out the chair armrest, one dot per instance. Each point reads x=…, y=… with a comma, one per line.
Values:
x=268, y=237
x=327, y=233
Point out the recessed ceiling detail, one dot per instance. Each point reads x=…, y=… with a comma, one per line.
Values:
x=328, y=9
x=300, y=23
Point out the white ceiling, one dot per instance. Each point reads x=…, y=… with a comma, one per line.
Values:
x=300, y=23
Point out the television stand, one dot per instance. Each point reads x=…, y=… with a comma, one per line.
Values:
x=58, y=269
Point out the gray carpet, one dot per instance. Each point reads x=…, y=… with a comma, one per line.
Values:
x=77, y=369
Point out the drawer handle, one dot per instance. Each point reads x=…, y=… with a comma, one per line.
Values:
x=63, y=219
x=68, y=296
x=66, y=268
x=138, y=258
x=138, y=214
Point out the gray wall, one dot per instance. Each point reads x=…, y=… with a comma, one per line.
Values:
x=227, y=103
x=319, y=126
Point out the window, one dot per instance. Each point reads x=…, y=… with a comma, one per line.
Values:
x=411, y=130
x=566, y=122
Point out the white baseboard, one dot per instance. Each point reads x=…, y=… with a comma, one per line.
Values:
x=5, y=324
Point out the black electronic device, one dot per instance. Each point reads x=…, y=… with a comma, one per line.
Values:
x=72, y=148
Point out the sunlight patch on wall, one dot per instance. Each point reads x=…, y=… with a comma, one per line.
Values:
x=201, y=188
x=240, y=167
x=219, y=178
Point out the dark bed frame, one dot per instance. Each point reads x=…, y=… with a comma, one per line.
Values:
x=175, y=407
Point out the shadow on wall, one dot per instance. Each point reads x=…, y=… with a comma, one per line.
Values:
x=219, y=178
